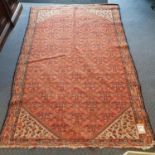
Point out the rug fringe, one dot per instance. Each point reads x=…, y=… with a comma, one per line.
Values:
x=147, y=147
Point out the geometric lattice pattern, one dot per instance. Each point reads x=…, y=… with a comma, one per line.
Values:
x=75, y=83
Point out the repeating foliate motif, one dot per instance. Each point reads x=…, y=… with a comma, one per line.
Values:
x=123, y=128
x=45, y=14
x=29, y=128
x=107, y=14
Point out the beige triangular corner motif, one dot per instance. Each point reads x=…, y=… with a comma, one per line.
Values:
x=45, y=14
x=29, y=128
x=122, y=128
x=107, y=14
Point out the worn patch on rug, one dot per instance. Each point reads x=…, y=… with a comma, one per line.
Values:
x=75, y=84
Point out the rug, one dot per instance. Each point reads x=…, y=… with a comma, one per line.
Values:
x=75, y=84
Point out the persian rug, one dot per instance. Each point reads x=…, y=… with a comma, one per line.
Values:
x=75, y=84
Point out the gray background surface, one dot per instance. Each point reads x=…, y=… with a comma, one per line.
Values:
x=139, y=24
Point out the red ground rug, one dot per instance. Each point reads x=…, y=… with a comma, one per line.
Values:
x=75, y=83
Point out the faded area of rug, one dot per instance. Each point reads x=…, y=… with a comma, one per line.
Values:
x=75, y=83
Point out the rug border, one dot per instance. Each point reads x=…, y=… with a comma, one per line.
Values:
x=138, y=81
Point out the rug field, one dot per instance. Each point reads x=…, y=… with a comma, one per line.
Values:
x=75, y=83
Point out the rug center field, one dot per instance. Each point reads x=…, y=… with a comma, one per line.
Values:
x=76, y=85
